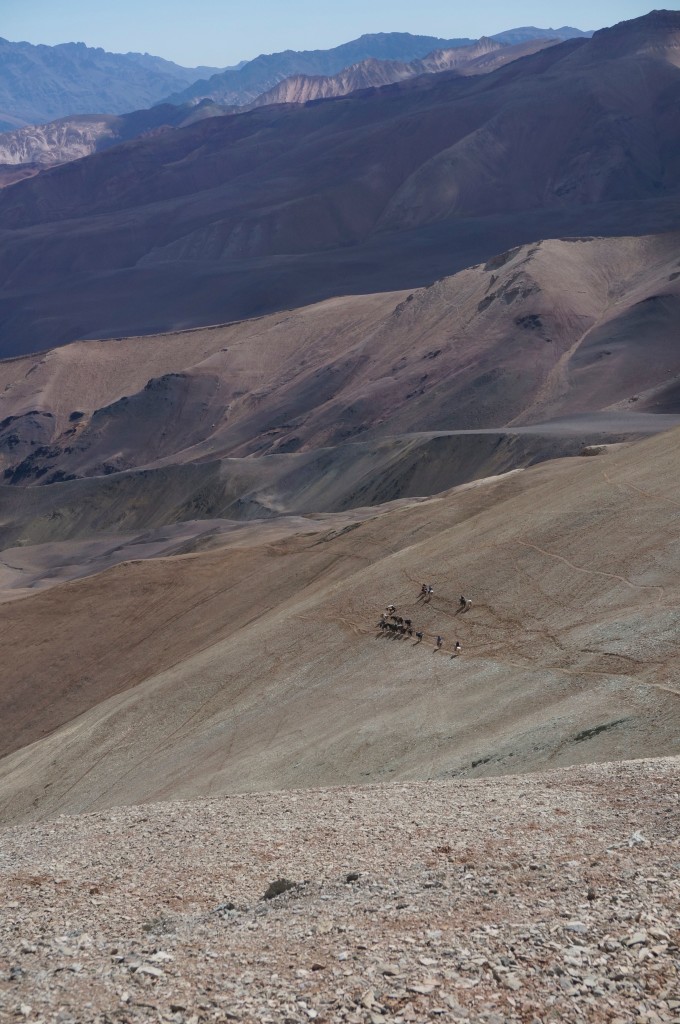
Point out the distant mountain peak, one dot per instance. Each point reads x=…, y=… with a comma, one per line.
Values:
x=655, y=21
x=653, y=32
x=526, y=32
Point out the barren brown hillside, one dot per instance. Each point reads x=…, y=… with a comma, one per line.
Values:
x=260, y=667
x=539, y=333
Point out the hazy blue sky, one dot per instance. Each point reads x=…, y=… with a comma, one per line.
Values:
x=222, y=32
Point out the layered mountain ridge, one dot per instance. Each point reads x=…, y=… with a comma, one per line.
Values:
x=478, y=58
x=268, y=70
x=241, y=87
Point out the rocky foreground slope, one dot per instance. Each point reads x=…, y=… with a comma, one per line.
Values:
x=552, y=897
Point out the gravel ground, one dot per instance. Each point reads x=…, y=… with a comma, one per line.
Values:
x=530, y=898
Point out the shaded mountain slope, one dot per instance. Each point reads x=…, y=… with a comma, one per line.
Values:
x=262, y=669
x=218, y=221
x=540, y=333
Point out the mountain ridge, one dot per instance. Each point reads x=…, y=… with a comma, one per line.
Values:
x=478, y=58
x=266, y=71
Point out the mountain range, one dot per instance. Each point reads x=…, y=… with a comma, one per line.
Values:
x=34, y=147
x=478, y=58
x=218, y=221
x=39, y=84
x=265, y=72
x=42, y=83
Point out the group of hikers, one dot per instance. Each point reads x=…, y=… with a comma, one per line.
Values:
x=396, y=625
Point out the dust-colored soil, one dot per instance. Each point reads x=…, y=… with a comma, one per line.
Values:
x=545, y=898
x=260, y=667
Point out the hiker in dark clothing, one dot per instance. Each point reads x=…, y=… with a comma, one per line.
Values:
x=439, y=643
x=419, y=637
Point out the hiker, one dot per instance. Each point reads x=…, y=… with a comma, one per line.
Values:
x=419, y=637
x=439, y=643
x=462, y=602
x=423, y=590
x=456, y=650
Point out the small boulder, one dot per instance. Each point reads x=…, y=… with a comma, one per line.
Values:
x=278, y=887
